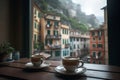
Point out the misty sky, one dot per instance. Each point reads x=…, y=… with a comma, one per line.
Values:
x=92, y=7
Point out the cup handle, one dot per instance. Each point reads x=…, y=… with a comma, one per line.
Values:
x=82, y=63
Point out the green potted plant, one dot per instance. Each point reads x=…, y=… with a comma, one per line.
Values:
x=5, y=50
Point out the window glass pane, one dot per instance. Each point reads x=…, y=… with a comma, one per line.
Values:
x=48, y=22
x=55, y=23
x=99, y=54
x=84, y=31
x=39, y=15
x=63, y=31
x=34, y=37
x=63, y=41
x=57, y=53
x=48, y=32
x=94, y=54
x=35, y=25
x=94, y=45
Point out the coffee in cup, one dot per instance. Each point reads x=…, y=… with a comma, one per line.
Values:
x=72, y=63
x=37, y=60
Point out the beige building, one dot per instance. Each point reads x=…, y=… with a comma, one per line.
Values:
x=51, y=35
x=65, y=42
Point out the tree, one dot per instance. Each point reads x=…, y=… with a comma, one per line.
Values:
x=39, y=45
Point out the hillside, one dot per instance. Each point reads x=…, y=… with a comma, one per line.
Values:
x=70, y=14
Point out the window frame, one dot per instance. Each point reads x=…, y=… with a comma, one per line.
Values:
x=111, y=32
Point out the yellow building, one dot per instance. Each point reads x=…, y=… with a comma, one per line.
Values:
x=36, y=25
x=51, y=35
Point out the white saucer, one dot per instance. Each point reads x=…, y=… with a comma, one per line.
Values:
x=43, y=65
x=60, y=69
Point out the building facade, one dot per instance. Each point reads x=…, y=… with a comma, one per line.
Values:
x=99, y=42
x=97, y=46
x=36, y=26
x=51, y=35
x=65, y=42
x=85, y=44
x=79, y=43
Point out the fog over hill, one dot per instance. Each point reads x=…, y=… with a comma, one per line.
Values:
x=70, y=13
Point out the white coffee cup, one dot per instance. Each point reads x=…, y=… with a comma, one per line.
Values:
x=72, y=63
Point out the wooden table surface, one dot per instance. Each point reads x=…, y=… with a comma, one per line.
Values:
x=16, y=71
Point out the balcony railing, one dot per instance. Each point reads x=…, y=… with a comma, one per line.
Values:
x=53, y=36
x=67, y=45
x=54, y=47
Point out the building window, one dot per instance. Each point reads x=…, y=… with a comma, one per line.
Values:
x=93, y=38
x=67, y=31
x=84, y=39
x=70, y=39
x=99, y=54
x=71, y=47
x=84, y=46
x=74, y=46
x=78, y=46
x=94, y=45
x=55, y=32
x=39, y=14
x=63, y=31
x=35, y=25
x=99, y=62
x=57, y=53
x=48, y=23
x=48, y=32
x=94, y=62
x=63, y=41
x=99, y=45
x=81, y=39
x=74, y=39
x=35, y=37
x=38, y=27
x=64, y=53
x=94, y=54
x=55, y=23
x=93, y=33
x=77, y=39
x=99, y=38
x=100, y=33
